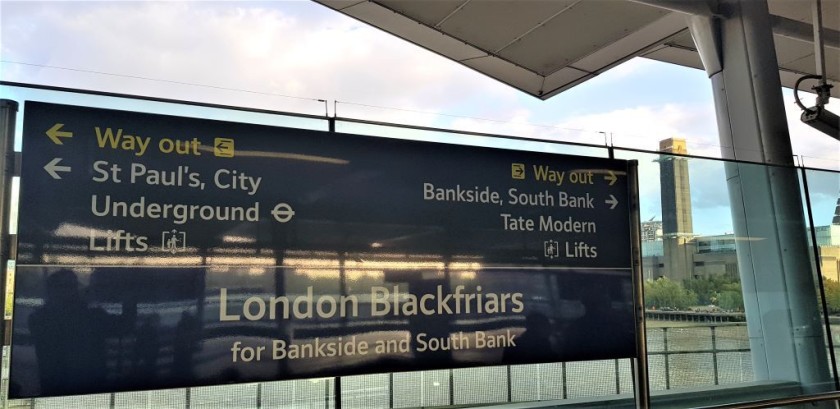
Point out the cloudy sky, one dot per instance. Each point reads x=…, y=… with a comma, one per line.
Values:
x=287, y=55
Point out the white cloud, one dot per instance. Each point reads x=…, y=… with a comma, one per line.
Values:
x=306, y=50
x=628, y=68
x=519, y=122
x=644, y=126
x=284, y=48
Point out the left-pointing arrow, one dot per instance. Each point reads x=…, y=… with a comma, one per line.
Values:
x=53, y=168
x=55, y=133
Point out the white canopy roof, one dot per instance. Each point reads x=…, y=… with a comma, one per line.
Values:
x=544, y=47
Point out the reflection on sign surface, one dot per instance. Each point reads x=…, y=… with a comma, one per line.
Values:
x=179, y=252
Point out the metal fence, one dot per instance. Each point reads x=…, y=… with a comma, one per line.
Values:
x=679, y=357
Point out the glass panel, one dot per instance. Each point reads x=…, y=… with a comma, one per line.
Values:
x=658, y=372
x=625, y=373
x=74, y=402
x=480, y=385
x=21, y=94
x=591, y=378
x=690, y=339
x=829, y=161
x=734, y=367
x=537, y=382
x=367, y=391
x=701, y=317
x=467, y=139
x=304, y=393
x=824, y=194
x=691, y=370
x=164, y=399
x=226, y=396
x=454, y=123
x=688, y=255
x=422, y=389
x=704, y=221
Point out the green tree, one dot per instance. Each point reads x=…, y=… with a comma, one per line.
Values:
x=709, y=289
x=662, y=293
x=731, y=298
x=832, y=295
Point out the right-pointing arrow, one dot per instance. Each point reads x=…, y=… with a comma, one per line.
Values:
x=53, y=168
x=611, y=177
x=612, y=202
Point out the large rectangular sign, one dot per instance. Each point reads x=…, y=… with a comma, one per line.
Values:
x=159, y=251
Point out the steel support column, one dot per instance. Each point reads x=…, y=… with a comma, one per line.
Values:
x=786, y=335
x=8, y=116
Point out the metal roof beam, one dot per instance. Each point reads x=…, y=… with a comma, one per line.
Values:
x=798, y=30
x=782, y=26
x=695, y=8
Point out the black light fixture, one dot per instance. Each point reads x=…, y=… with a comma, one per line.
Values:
x=817, y=116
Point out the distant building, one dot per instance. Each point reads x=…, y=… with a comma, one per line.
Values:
x=836, y=219
x=677, y=223
x=671, y=249
x=828, y=242
x=715, y=244
x=715, y=255
x=828, y=235
x=652, y=239
x=676, y=189
x=703, y=256
x=830, y=262
x=652, y=249
x=651, y=230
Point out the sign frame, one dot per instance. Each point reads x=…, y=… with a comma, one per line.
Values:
x=639, y=367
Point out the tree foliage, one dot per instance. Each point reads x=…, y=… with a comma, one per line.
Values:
x=832, y=295
x=720, y=290
x=731, y=298
x=664, y=293
x=708, y=289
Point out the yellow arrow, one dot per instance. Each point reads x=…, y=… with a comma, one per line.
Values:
x=55, y=133
x=611, y=177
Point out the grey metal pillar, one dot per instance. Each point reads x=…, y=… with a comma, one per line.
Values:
x=8, y=114
x=784, y=325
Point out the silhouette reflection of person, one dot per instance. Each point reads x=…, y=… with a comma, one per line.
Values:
x=186, y=345
x=603, y=330
x=147, y=347
x=534, y=345
x=69, y=338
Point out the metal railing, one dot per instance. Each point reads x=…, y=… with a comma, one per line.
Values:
x=679, y=357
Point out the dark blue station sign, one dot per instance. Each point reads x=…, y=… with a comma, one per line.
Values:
x=102, y=186
x=178, y=251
